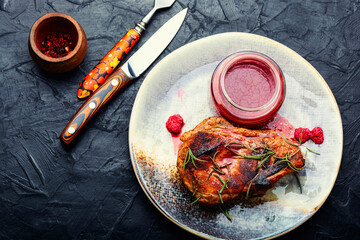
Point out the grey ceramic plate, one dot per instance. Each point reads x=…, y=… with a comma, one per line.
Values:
x=180, y=84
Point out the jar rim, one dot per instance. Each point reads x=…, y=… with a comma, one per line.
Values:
x=239, y=57
x=247, y=115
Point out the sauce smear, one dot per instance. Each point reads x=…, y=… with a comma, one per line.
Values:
x=281, y=125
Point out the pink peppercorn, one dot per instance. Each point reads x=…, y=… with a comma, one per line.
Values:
x=174, y=124
x=317, y=135
x=302, y=134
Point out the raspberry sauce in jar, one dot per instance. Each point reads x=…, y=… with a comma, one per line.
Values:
x=248, y=88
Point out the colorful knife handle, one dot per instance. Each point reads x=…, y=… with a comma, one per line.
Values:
x=93, y=104
x=106, y=66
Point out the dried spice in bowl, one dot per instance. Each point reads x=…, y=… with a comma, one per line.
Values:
x=57, y=45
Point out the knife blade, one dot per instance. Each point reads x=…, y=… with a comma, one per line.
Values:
x=131, y=69
x=105, y=67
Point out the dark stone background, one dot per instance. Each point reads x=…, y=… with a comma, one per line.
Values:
x=90, y=191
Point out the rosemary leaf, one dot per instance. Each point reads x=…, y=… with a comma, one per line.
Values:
x=294, y=154
x=221, y=200
x=222, y=181
x=258, y=157
x=287, y=155
x=262, y=162
x=210, y=174
x=265, y=147
x=196, y=200
x=193, y=158
x=232, y=151
x=213, y=159
x=225, y=165
x=228, y=178
x=225, y=212
x=300, y=137
x=298, y=181
x=218, y=170
x=201, y=160
x=248, y=190
x=223, y=187
x=298, y=145
x=312, y=151
x=291, y=143
x=290, y=164
x=193, y=162
x=187, y=159
x=237, y=144
x=193, y=185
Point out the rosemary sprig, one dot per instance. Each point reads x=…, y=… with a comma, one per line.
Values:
x=261, y=163
x=289, y=163
x=191, y=157
x=261, y=155
x=298, y=145
x=196, y=200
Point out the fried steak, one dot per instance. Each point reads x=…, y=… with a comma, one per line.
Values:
x=219, y=162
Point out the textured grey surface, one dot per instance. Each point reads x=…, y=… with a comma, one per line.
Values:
x=90, y=191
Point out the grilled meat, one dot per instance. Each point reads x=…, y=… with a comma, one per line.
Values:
x=219, y=162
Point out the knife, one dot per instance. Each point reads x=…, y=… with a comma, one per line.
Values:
x=131, y=69
x=105, y=67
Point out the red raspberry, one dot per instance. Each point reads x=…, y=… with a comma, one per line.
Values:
x=302, y=134
x=317, y=135
x=174, y=124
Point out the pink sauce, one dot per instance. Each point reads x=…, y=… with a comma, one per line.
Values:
x=281, y=125
x=180, y=94
x=176, y=143
x=174, y=125
x=249, y=84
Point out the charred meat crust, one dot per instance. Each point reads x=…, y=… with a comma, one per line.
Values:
x=219, y=169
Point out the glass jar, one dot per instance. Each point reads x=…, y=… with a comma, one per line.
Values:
x=248, y=88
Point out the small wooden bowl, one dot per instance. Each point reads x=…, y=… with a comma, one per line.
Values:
x=57, y=23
